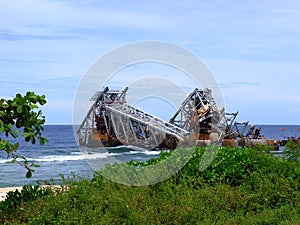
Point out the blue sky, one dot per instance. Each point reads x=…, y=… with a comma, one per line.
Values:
x=251, y=47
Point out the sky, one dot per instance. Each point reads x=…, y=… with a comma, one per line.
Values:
x=251, y=47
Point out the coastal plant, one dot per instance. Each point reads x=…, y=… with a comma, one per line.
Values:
x=27, y=194
x=242, y=186
x=21, y=114
x=155, y=170
x=292, y=151
x=231, y=165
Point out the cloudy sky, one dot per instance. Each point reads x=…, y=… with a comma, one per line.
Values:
x=251, y=47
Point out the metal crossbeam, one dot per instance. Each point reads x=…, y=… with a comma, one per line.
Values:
x=147, y=119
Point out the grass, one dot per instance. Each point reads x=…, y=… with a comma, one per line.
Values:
x=241, y=186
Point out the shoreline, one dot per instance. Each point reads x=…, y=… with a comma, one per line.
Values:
x=5, y=190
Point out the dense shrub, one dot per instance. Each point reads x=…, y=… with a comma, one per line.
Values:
x=241, y=186
x=27, y=194
x=292, y=151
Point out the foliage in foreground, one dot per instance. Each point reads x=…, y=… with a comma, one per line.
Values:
x=21, y=113
x=28, y=193
x=244, y=186
x=292, y=151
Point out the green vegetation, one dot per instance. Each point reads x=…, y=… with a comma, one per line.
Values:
x=292, y=151
x=27, y=194
x=21, y=113
x=241, y=186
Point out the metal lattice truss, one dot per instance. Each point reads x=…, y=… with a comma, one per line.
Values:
x=135, y=127
x=229, y=121
x=199, y=113
x=234, y=129
x=113, y=122
x=111, y=116
x=99, y=99
x=240, y=128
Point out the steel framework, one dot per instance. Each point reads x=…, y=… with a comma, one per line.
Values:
x=200, y=115
x=112, y=122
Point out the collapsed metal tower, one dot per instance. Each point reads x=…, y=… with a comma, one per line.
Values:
x=112, y=122
x=200, y=116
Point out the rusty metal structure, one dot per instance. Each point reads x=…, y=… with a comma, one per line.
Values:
x=198, y=121
x=200, y=116
x=112, y=122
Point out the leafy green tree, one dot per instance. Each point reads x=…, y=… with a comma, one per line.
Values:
x=21, y=115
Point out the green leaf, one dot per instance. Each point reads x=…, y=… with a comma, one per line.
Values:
x=42, y=101
x=29, y=174
x=27, y=139
x=18, y=96
x=26, y=108
x=14, y=133
x=26, y=134
x=15, y=146
x=33, y=106
x=20, y=109
x=18, y=123
x=29, y=94
x=43, y=140
x=32, y=138
x=21, y=112
x=35, y=165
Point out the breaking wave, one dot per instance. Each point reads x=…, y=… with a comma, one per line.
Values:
x=88, y=155
x=60, y=158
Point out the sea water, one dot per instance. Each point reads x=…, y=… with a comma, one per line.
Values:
x=62, y=157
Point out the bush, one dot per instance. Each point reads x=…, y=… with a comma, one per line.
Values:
x=29, y=193
x=292, y=151
x=241, y=186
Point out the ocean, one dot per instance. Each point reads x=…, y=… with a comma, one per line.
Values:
x=61, y=155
